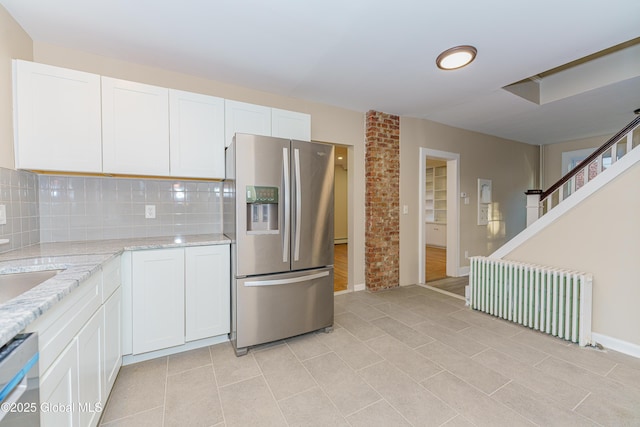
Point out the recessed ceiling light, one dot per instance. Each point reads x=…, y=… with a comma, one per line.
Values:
x=456, y=57
x=339, y=157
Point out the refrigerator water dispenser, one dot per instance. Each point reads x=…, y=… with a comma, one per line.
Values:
x=262, y=210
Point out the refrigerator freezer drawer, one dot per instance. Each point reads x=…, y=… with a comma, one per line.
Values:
x=270, y=308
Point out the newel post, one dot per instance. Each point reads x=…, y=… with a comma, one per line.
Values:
x=533, y=205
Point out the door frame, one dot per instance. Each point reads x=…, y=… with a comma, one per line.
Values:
x=453, y=211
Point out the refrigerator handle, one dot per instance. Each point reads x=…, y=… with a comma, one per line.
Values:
x=296, y=248
x=286, y=281
x=287, y=202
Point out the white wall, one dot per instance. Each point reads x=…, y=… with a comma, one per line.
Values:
x=601, y=236
x=14, y=44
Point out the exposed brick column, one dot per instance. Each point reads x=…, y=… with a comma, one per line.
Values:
x=382, y=201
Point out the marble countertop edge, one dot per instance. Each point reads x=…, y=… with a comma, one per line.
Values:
x=78, y=261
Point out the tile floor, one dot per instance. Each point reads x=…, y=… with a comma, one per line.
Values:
x=409, y=356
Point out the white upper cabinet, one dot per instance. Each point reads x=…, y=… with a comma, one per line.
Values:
x=246, y=118
x=290, y=124
x=57, y=118
x=196, y=135
x=135, y=128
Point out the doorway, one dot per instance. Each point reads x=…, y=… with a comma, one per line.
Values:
x=439, y=221
x=341, y=219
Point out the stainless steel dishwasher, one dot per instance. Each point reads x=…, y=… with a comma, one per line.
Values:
x=20, y=382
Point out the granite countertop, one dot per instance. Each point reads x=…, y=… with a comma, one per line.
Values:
x=78, y=260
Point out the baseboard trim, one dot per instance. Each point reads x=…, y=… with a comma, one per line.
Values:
x=616, y=344
x=360, y=287
x=340, y=241
x=464, y=271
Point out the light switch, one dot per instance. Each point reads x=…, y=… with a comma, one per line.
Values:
x=3, y=214
x=405, y=209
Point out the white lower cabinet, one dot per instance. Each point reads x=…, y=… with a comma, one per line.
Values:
x=158, y=299
x=112, y=340
x=80, y=350
x=90, y=366
x=207, y=279
x=59, y=390
x=176, y=296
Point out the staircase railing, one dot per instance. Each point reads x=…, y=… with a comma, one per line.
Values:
x=540, y=202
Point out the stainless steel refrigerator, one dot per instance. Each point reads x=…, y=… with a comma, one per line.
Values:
x=278, y=211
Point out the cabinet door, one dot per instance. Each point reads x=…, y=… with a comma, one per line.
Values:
x=158, y=299
x=290, y=125
x=112, y=340
x=207, y=288
x=90, y=366
x=196, y=135
x=57, y=117
x=59, y=387
x=245, y=118
x=135, y=128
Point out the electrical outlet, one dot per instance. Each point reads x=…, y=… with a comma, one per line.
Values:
x=150, y=211
x=3, y=214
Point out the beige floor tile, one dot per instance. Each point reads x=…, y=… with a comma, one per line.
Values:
x=548, y=377
x=451, y=338
x=311, y=408
x=409, y=398
x=485, y=379
x=250, y=403
x=377, y=414
x=404, y=358
x=139, y=387
x=363, y=310
x=359, y=327
x=490, y=323
x=189, y=360
x=344, y=387
x=474, y=405
x=538, y=408
x=565, y=394
x=625, y=375
x=308, y=345
x=283, y=371
x=350, y=349
x=588, y=358
x=399, y=313
x=518, y=351
x=608, y=412
x=402, y=332
x=623, y=395
x=151, y=418
x=458, y=421
x=229, y=368
x=192, y=399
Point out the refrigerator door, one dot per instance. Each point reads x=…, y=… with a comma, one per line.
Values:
x=274, y=307
x=312, y=205
x=263, y=236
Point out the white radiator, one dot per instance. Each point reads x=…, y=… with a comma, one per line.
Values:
x=551, y=300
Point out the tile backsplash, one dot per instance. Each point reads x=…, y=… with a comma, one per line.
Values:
x=19, y=195
x=76, y=208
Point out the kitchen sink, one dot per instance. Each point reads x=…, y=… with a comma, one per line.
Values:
x=14, y=284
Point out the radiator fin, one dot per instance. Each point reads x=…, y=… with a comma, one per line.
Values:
x=550, y=300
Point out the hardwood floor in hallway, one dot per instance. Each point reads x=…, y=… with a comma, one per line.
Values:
x=435, y=263
x=340, y=267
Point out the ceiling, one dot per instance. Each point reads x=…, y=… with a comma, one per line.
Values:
x=380, y=55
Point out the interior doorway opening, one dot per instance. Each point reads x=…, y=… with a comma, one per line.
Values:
x=341, y=219
x=439, y=216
